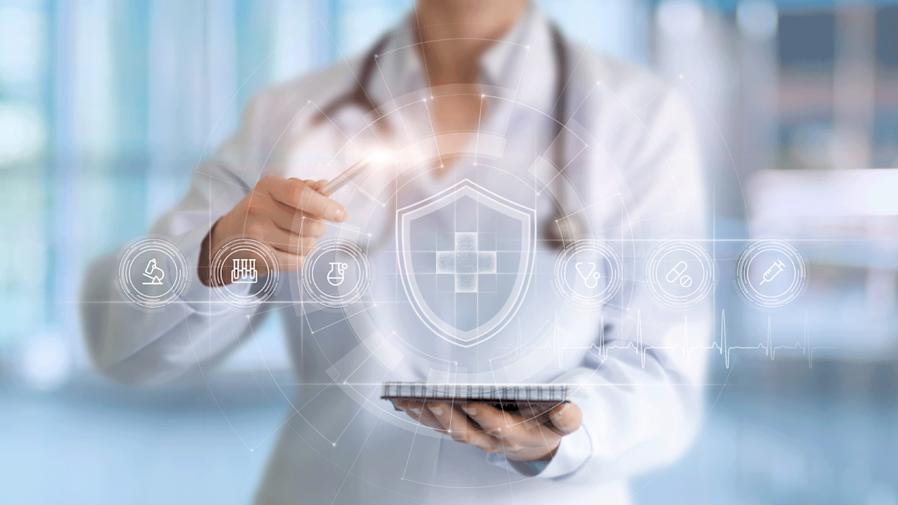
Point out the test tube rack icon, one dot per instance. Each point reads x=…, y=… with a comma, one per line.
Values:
x=244, y=271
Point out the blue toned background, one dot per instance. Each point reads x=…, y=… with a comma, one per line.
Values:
x=107, y=106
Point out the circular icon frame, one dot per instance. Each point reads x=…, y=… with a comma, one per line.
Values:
x=614, y=277
x=345, y=298
x=750, y=291
x=653, y=269
x=231, y=290
x=176, y=284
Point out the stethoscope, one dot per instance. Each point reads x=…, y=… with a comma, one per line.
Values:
x=560, y=232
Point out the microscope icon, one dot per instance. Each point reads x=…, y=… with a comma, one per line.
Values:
x=336, y=276
x=150, y=273
x=589, y=274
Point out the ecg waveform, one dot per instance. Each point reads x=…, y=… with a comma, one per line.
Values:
x=720, y=346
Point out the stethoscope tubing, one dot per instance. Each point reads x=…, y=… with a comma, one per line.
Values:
x=359, y=96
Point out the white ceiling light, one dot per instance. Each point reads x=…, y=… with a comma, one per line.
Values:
x=680, y=19
x=757, y=19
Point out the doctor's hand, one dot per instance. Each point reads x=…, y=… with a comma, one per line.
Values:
x=287, y=215
x=530, y=436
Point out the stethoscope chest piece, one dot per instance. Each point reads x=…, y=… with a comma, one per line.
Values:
x=565, y=231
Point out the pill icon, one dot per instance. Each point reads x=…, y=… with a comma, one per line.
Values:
x=677, y=273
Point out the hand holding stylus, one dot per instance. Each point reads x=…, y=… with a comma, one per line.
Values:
x=288, y=215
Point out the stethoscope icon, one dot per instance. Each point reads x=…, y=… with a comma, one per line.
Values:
x=591, y=277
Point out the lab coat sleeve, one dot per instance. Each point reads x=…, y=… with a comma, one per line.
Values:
x=642, y=405
x=143, y=347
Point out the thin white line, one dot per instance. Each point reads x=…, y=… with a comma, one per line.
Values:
x=348, y=472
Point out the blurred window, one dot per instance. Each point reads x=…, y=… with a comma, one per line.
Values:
x=887, y=37
x=807, y=41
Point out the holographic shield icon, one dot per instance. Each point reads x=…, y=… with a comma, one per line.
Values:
x=466, y=259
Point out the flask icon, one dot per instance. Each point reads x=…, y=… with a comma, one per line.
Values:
x=336, y=275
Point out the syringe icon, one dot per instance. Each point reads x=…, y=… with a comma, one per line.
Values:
x=771, y=274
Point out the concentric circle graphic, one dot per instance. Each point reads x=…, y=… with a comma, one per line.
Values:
x=336, y=273
x=152, y=273
x=679, y=273
x=236, y=266
x=771, y=273
x=588, y=273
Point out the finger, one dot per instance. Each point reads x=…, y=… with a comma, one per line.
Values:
x=287, y=261
x=297, y=221
x=566, y=418
x=316, y=185
x=420, y=413
x=460, y=429
x=494, y=422
x=532, y=417
x=268, y=232
x=321, y=206
x=297, y=194
x=292, y=243
x=308, y=225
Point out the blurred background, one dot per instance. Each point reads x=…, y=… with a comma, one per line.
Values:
x=107, y=106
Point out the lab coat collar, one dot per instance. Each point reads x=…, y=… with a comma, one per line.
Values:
x=520, y=65
x=505, y=59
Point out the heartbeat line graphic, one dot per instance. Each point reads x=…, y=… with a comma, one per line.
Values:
x=720, y=346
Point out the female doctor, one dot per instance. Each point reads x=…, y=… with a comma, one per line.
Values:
x=474, y=93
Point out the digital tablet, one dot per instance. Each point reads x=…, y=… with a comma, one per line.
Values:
x=509, y=398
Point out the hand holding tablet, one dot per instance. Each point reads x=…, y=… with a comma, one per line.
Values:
x=524, y=423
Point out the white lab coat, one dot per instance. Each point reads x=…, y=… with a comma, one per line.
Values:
x=638, y=181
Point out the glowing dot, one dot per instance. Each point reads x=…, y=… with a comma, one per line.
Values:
x=334, y=444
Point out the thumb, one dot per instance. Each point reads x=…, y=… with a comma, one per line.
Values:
x=566, y=418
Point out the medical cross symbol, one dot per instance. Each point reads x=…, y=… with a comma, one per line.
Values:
x=466, y=262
